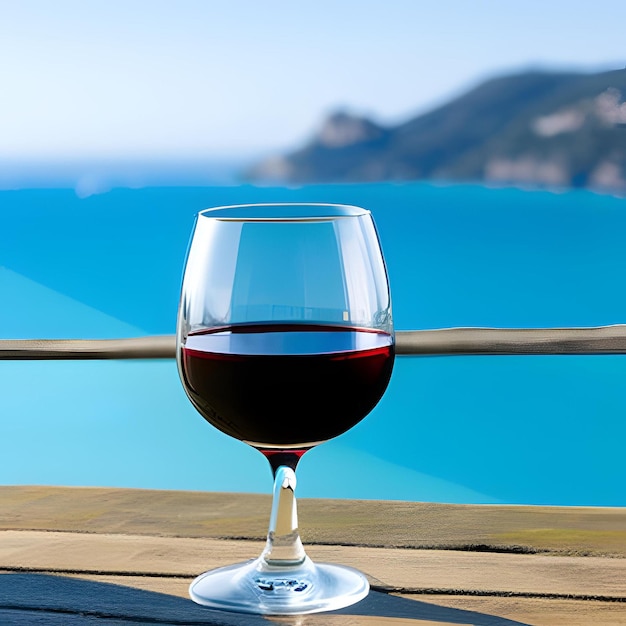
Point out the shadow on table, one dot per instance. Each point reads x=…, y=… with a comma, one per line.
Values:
x=43, y=599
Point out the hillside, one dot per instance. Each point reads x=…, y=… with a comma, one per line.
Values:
x=540, y=129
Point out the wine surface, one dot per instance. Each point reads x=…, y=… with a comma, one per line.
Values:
x=286, y=385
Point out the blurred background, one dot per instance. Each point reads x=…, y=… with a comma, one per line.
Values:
x=489, y=141
x=103, y=94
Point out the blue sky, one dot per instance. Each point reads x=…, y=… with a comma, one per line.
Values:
x=202, y=78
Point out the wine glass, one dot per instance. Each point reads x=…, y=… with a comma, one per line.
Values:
x=284, y=341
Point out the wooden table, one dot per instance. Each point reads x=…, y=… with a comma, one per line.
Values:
x=76, y=556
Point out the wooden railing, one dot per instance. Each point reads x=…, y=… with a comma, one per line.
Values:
x=439, y=342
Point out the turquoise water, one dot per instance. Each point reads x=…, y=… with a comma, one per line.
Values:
x=524, y=429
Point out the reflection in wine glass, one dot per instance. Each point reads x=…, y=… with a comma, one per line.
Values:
x=285, y=340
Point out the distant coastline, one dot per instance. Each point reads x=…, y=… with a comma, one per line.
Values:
x=536, y=129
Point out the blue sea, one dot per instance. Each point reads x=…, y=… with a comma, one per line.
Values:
x=461, y=429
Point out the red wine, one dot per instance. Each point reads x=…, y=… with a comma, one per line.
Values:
x=286, y=385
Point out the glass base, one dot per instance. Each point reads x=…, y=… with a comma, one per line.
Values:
x=261, y=588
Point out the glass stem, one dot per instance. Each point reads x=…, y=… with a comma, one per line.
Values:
x=283, y=547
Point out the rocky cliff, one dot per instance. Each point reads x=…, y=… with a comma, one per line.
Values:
x=538, y=129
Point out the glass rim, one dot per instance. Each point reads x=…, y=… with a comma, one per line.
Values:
x=283, y=211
